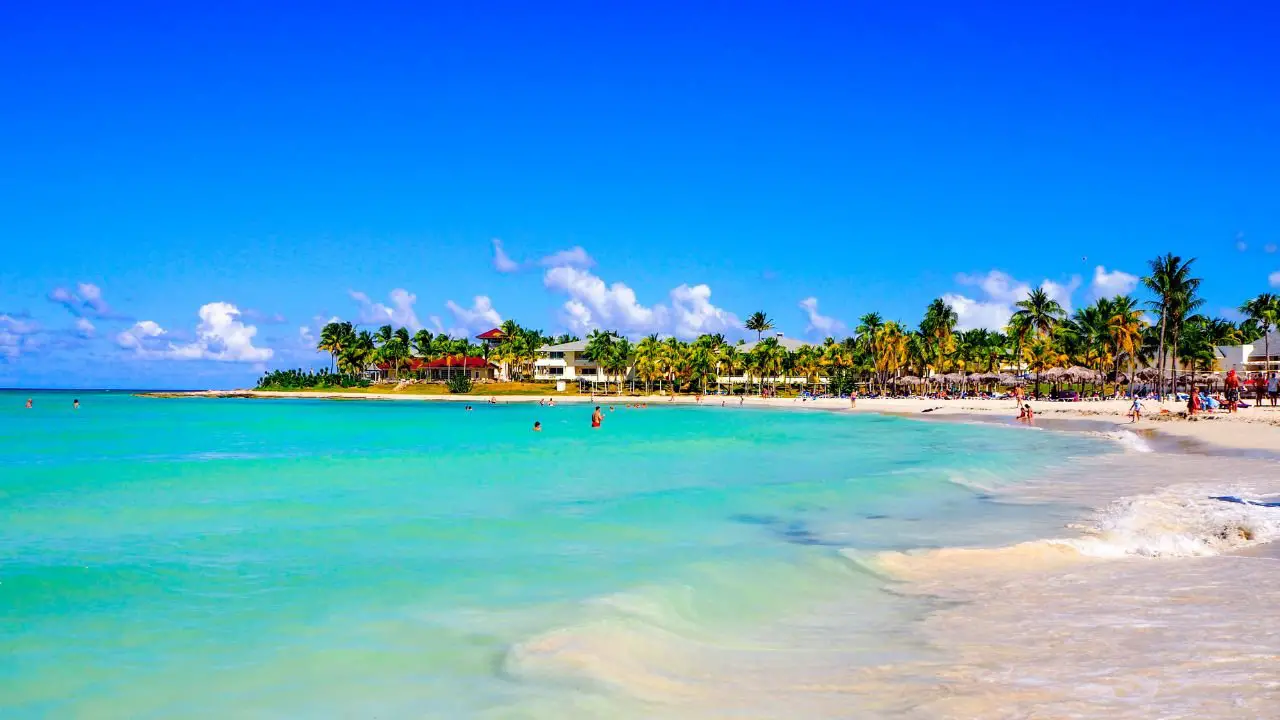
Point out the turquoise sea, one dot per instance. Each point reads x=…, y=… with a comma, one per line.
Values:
x=297, y=558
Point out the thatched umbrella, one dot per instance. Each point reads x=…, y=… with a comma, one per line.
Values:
x=1148, y=374
x=908, y=380
x=1054, y=374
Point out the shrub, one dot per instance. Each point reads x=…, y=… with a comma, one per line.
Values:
x=459, y=385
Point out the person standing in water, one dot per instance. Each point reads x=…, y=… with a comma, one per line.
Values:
x=75, y=404
x=28, y=403
x=537, y=426
x=596, y=418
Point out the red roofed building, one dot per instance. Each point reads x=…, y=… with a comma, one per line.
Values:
x=443, y=368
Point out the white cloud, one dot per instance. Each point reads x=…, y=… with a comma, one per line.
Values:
x=1110, y=284
x=573, y=257
x=1270, y=247
x=306, y=337
x=823, y=324
x=694, y=315
x=135, y=338
x=87, y=297
x=16, y=336
x=1001, y=292
x=594, y=304
x=502, y=262
x=84, y=328
x=480, y=316
x=400, y=313
x=1062, y=293
x=1242, y=245
x=220, y=336
x=1274, y=279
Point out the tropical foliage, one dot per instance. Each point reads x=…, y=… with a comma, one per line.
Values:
x=303, y=380
x=1110, y=336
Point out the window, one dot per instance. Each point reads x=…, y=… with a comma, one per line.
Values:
x=554, y=370
x=556, y=355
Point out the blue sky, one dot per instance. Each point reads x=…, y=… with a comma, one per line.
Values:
x=236, y=175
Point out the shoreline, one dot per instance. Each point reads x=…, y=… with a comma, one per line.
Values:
x=1253, y=430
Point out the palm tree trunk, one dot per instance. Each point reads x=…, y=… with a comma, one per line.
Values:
x=1160, y=355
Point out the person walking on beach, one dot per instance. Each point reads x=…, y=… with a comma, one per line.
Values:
x=742, y=400
x=596, y=418
x=1135, y=410
x=1193, y=401
x=853, y=398
x=1233, y=390
x=1273, y=388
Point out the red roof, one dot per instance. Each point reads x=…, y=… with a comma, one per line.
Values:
x=459, y=362
x=456, y=361
x=494, y=334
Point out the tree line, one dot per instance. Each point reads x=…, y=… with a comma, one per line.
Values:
x=1109, y=336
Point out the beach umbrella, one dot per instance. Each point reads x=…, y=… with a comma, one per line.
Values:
x=1054, y=374
x=1148, y=374
x=1079, y=374
x=909, y=380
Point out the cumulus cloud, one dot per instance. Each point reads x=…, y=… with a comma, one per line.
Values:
x=1060, y=292
x=824, y=324
x=502, y=262
x=1110, y=284
x=1270, y=247
x=595, y=304
x=693, y=314
x=399, y=313
x=306, y=337
x=1274, y=279
x=85, y=299
x=84, y=328
x=137, y=337
x=480, y=316
x=220, y=336
x=1000, y=291
x=16, y=336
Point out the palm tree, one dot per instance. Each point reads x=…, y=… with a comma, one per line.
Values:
x=674, y=355
x=619, y=360
x=648, y=359
x=727, y=362
x=1124, y=330
x=1174, y=289
x=759, y=322
x=384, y=334
x=1264, y=311
x=1041, y=312
x=421, y=343
x=599, y=347
x=335, y=337
x=808, y=362
x=1042, y=355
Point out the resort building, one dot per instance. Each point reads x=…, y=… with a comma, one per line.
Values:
x=1252, y=357
x=445, y=368
x=566, y=361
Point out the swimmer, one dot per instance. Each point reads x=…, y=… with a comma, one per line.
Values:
x=28, y=403
x=75, y=404
x=610, y=408
x=596, y=418
x=537, y=426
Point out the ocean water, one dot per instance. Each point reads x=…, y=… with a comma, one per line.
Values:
x=294, y=558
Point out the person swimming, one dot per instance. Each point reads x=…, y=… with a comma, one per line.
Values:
x=596, y=417
x=75, y=404
x=537, y=426
x=28, y=403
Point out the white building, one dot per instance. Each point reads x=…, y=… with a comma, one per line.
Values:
x=1252, y=357
x=566, y=361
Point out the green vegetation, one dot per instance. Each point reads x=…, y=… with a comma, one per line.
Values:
x=1109, y=337
x=301, y=380
x=459, y=384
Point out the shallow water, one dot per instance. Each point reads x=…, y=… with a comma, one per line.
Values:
x=201, y=558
